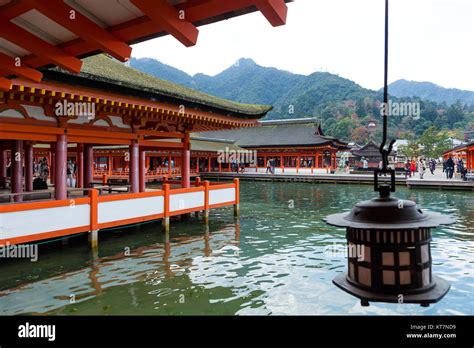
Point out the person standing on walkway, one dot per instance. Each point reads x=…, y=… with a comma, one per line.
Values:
x=432, y=166
x=460, y=166
x=413, y=167
x=449, y=168
x=272, y=165
x=407, y=169
x=421, y=168
x=269, y=167
x=365, y=165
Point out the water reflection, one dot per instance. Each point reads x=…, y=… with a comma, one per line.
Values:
x=273, y=260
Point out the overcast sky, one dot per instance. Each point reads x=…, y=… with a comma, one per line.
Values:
x=430, y=40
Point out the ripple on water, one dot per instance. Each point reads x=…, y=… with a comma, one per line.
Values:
x=277, y=260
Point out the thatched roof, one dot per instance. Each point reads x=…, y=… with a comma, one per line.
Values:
x=101, y=68
x=278, y=133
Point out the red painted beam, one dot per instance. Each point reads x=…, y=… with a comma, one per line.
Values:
x=170, y=19
x=139, y=28
x=274, y=10
x=38, y=47
x=14, y=9
x=7, y=63
x=5, y=84
x=83, y=27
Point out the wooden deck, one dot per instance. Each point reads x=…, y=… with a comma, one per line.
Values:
x=362, y=179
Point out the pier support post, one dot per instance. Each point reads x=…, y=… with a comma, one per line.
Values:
x=166, y=224
x=166, y=208
x=205, y=213
x=94, y=239
x=237, y=198
x=94, y=223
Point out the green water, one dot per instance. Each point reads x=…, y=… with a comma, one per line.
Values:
x=276, y=259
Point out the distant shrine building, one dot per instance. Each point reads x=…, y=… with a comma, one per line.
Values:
x=292, y=146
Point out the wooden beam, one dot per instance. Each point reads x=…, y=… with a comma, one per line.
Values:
x=5, y=84
x=19, y=128
x=38, y=47
x=83, y=27
x=274, y=10
x=97, y=140
x=161, y=144
x=14, y=9
x=167, y=17
x=159, y=134
x=100, y=134
x=8, y=63
x=136, y=29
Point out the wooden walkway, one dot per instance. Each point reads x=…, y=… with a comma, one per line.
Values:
x=344, y=179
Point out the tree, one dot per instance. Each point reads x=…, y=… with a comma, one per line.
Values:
x=434, y=142
x=360, y=135
x=411, y=150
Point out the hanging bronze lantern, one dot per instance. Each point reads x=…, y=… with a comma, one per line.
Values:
x=393, y=260
x=392, y=238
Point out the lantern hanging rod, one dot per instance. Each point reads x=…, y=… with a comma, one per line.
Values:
x=385, y=152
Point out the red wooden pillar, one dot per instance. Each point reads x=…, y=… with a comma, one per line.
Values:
x=3, y=168
x=80, y=166
x=169, y=165
x=61, y=164
x=134, y=168
x=185, y=162
x=109, y=164
x=142, y=170
x=16, y=168
x=29, y=167
x=197, y=165
x=88, y=165
x=209, y=164
x=52, y=163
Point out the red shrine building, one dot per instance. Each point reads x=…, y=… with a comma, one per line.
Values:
x=55, y=104
x=464, y=152
x=293, y=145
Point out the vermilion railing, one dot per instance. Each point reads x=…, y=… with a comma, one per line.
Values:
x=32, y=221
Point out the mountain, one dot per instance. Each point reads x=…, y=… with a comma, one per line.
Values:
x=166, y=72
x=247, y=82
x=430, y=91
x=344, y=107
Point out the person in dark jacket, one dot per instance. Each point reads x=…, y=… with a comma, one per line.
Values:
x=40, y=183
x=449, y=168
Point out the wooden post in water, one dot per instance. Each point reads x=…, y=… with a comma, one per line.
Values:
x=166, y=212
x=206, y=202
x=237, y=198
x=94, y=227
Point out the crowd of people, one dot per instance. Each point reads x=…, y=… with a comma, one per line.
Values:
x=421, y=165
